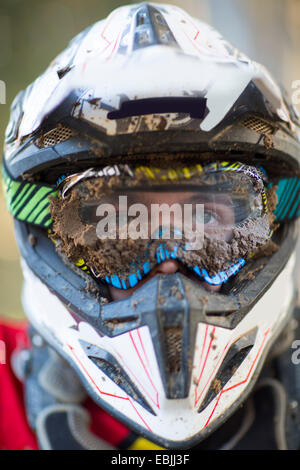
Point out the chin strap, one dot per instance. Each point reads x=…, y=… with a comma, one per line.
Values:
x=53, y=397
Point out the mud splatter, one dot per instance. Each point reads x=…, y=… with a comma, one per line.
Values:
x=124, y=257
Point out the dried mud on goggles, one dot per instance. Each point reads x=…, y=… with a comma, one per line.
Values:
x=234, y=220
x=31, y=202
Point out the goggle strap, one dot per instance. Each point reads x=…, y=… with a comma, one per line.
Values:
x=28, y=202
x=288, y=195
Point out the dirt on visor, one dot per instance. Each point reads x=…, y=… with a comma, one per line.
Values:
x=123, y=257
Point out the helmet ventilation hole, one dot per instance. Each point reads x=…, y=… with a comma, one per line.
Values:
x=258, y=125
x=173, y=345
x=55, y=136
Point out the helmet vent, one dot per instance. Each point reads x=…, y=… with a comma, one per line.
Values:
x=173, y=344
x=109, y=365
x=232, y=361
x=55, y=136
x=258, y=125
x=194, y=106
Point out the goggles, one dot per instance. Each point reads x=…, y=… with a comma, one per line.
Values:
x=120, y=221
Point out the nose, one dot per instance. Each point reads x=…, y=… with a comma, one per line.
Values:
x=167, y=267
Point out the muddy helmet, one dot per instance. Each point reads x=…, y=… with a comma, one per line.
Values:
x=152, y=91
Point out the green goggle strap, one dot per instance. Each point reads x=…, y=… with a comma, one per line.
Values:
x=28, y=202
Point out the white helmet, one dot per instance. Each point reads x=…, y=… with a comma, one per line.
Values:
x=174, y=360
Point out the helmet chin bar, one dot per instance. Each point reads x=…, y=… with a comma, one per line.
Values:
x=191, y=356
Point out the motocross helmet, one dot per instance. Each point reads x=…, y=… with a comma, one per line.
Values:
x=152, y=104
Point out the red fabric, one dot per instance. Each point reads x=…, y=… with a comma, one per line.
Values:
x=15, y=433
x=105, y=426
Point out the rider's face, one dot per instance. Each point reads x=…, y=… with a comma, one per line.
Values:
x=218, y=219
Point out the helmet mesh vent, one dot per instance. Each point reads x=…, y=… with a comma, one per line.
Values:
x=173, y=344
x=55, y=136
x=258, y=125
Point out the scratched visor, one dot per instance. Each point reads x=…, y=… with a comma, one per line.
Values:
x=132, y=218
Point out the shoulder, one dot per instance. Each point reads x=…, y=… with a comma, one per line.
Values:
x=12, y=333
x=15, y=433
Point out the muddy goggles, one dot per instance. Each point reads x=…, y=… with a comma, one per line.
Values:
x=123, y=263
x=121, y=221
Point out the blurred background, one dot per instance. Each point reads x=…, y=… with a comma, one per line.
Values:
x=32, y=33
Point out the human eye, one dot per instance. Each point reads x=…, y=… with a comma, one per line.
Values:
x=210, y=217
x=214, y=214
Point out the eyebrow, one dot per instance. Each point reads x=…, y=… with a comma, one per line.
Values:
x=212, y=198
x=194, y=197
